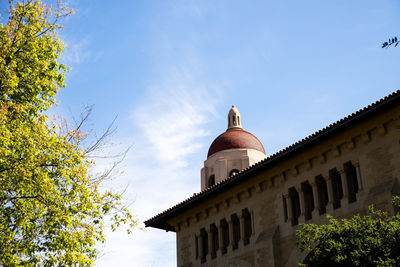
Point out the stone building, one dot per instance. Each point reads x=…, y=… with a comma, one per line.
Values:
x=251, y=205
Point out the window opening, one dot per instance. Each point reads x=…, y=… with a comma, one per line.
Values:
x=247, y=226
x=308, y=200
x=214, y=238
x=204, y=245
x=337, y=188
x=225, y=235
x=211, y=180
x=234, y=171
x=352, y=182
x=295, y=202
x=233, y=120
x=236, y=231
x=322, y=194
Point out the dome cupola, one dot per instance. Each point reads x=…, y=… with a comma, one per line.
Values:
x=235, y=137
x=231, y=152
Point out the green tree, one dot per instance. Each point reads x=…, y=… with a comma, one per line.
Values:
x=372, y=240
x=52, y=209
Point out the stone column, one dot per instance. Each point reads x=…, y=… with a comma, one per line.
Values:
x=329, y=185
x=315, y=212
x=253, y=225
x=345, y=199
x=245, y=162
x=204, y=174
x=221, y=171
x=242, y=230
x=299, y=189
x=231, y=234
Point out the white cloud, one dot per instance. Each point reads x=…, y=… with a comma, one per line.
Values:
x=174, y=115
x=170, y=123
x=78, y=51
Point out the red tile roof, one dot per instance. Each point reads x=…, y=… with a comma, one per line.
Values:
x=235, y=138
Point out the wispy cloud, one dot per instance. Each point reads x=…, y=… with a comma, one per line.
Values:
x=171, y=122
x=174, y=116
x=191, y=8
x=169, y=126
x=78, y=51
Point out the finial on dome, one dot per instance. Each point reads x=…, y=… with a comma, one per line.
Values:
x=234, y=119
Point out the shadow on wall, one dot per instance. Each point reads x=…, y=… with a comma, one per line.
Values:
x=238, y=263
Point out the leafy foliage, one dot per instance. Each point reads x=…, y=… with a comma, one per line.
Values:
x=372, y=240
x=52, y=210
x=393, y=41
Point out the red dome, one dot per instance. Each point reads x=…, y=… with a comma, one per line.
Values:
x=235, y=138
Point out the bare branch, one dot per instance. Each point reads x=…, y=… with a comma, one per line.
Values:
x=99, y=142
x=107, y=173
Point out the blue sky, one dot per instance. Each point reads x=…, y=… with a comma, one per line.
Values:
x=170, y=71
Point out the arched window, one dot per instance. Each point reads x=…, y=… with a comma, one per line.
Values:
x=247, y=226
x=308, y=200
x=352, y=183
x=204, y=245
x=225, y=235
x=337, y=188
x=214, y=238
x=295, y=204
x=233, y=172
x=211, y=180
x=322, y=194
x=236, y=231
